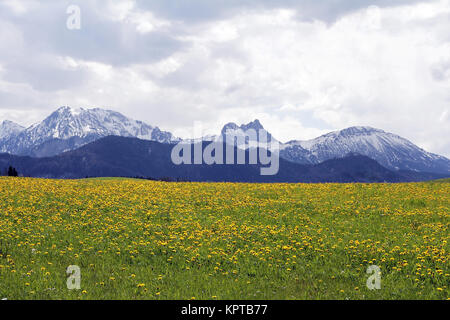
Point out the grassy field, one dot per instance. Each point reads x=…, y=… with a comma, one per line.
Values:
x=152, y=240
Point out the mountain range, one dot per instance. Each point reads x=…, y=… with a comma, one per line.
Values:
x=390, y=150
x=131, y=157
x=69, y=129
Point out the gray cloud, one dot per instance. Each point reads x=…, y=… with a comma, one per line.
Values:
x=200, y=10
x=314, y=66
x=100, y=38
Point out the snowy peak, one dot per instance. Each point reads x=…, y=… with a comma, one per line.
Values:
x=348, y=133
x=9, y=129
x=68, y=128
x=355, y=131
x=68, y=122
x=390, y=150
x=354, y=139
x=255, y=125
x=68, y=111
x=231, y=127
x=253, y=132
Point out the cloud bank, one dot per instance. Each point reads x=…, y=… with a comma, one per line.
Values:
x=302, y=67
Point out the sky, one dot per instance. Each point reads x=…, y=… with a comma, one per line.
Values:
x=303, y=68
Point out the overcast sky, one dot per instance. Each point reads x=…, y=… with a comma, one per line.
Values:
x=303, y=68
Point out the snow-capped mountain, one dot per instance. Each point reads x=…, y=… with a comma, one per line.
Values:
x=232, y=129
x=69, y=128
x=9, y=129
x=390, y=150
x=250, y=135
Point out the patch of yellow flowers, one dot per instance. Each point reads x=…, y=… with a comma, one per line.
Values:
x=220, y=240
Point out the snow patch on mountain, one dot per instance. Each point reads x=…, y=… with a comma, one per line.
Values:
x=252, y=134
x=86, y=125
x=9, y=129
x=390, y=150
x=69, y=128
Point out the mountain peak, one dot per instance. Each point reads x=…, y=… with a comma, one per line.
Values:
x=10, y=123
x=229, y=126
x=9, y=128
x=68, y=122
x=357, y=130
x=390, y=150
x=68, y=128
x=255, y=125
x=64, y=109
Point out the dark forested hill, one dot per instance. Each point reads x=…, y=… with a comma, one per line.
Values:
x=130, y=157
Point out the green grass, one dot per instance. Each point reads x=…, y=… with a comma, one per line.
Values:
x=135, y=239
x=447, y=180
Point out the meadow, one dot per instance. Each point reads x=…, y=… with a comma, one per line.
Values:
x=136, y=239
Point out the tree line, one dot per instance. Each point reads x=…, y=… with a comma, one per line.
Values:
x=9, y=172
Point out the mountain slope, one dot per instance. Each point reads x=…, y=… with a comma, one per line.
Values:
x=130, y=157
x=250, y=134
x=68, y=128
x=9, y=129
x=390, y=150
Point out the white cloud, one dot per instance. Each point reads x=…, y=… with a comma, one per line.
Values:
x=128, y=13
x=18, y=7
x=386, y=67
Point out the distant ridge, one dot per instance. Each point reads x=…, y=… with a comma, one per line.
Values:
x=390, y=150
x=9, y=129
x=130, y=157
x=68, y=128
